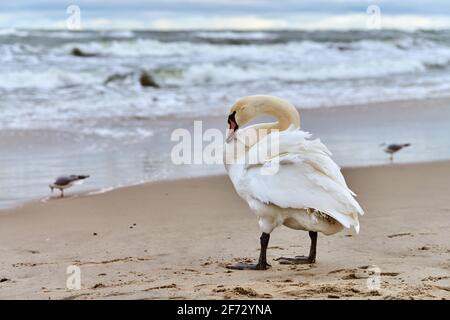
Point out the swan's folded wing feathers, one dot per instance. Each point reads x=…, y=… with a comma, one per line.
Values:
x=317, y=155
x=307, y=178
x=295, y=144
x=299, y=187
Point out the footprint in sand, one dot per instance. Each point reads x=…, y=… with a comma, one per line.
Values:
x=362, y=272
x=241, y=292
x=33, y=251
x=329, y=291
x=168, y=286
x=126, y=259
x=77, y=296
x=435, y=278
x=400, y=235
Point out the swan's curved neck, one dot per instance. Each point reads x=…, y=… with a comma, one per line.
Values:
x=286, y=114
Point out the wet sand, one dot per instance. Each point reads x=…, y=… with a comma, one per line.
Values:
x=172, y=240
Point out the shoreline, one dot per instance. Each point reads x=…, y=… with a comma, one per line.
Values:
x=172, y=239
x=352, y=133
x=73, y=194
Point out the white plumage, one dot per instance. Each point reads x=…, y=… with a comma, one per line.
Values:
x=306, y=192
x=307, y=178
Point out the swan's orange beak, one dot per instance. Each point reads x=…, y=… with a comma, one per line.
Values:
x=233, y=127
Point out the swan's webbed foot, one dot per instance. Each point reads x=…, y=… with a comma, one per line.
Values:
x=311, y=258
x=262, y=261
x=296, y=260
x=249, y=266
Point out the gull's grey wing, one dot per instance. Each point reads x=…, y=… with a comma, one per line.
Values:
x=64, y=180
x=395, y=147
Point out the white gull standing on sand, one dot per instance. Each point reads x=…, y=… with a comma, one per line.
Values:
x=307, y=192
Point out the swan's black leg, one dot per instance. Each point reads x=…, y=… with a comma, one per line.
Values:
x=311, y=258
x=262, y=261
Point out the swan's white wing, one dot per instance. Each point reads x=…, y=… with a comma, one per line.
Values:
x=306, y=178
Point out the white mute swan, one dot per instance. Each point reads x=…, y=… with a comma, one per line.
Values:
x=307, y=192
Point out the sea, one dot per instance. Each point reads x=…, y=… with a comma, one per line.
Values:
x=68, y=113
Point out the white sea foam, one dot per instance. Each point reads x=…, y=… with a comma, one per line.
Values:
x=235, y=35
x=293, y=61
x=45, y=79
x=13, y=32
x=200, y=77
x=103, y=190
x=118, y=133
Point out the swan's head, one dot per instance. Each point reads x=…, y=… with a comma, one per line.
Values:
x=244, y=110
x=240, y=114
x=249, y=107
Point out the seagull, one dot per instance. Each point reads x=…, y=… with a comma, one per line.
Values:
x=296, y=184
x=65, y=182
x=393, y=148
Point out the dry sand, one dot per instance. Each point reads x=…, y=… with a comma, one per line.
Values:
x=171, y=240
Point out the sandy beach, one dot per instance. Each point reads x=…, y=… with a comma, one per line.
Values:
x=173, y=239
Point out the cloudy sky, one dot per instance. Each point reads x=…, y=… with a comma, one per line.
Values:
x=225, y=14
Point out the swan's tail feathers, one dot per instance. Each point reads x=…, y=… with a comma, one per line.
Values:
x=348, y=220
x=356, y=226
x=355, y=215
x=355, y=220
